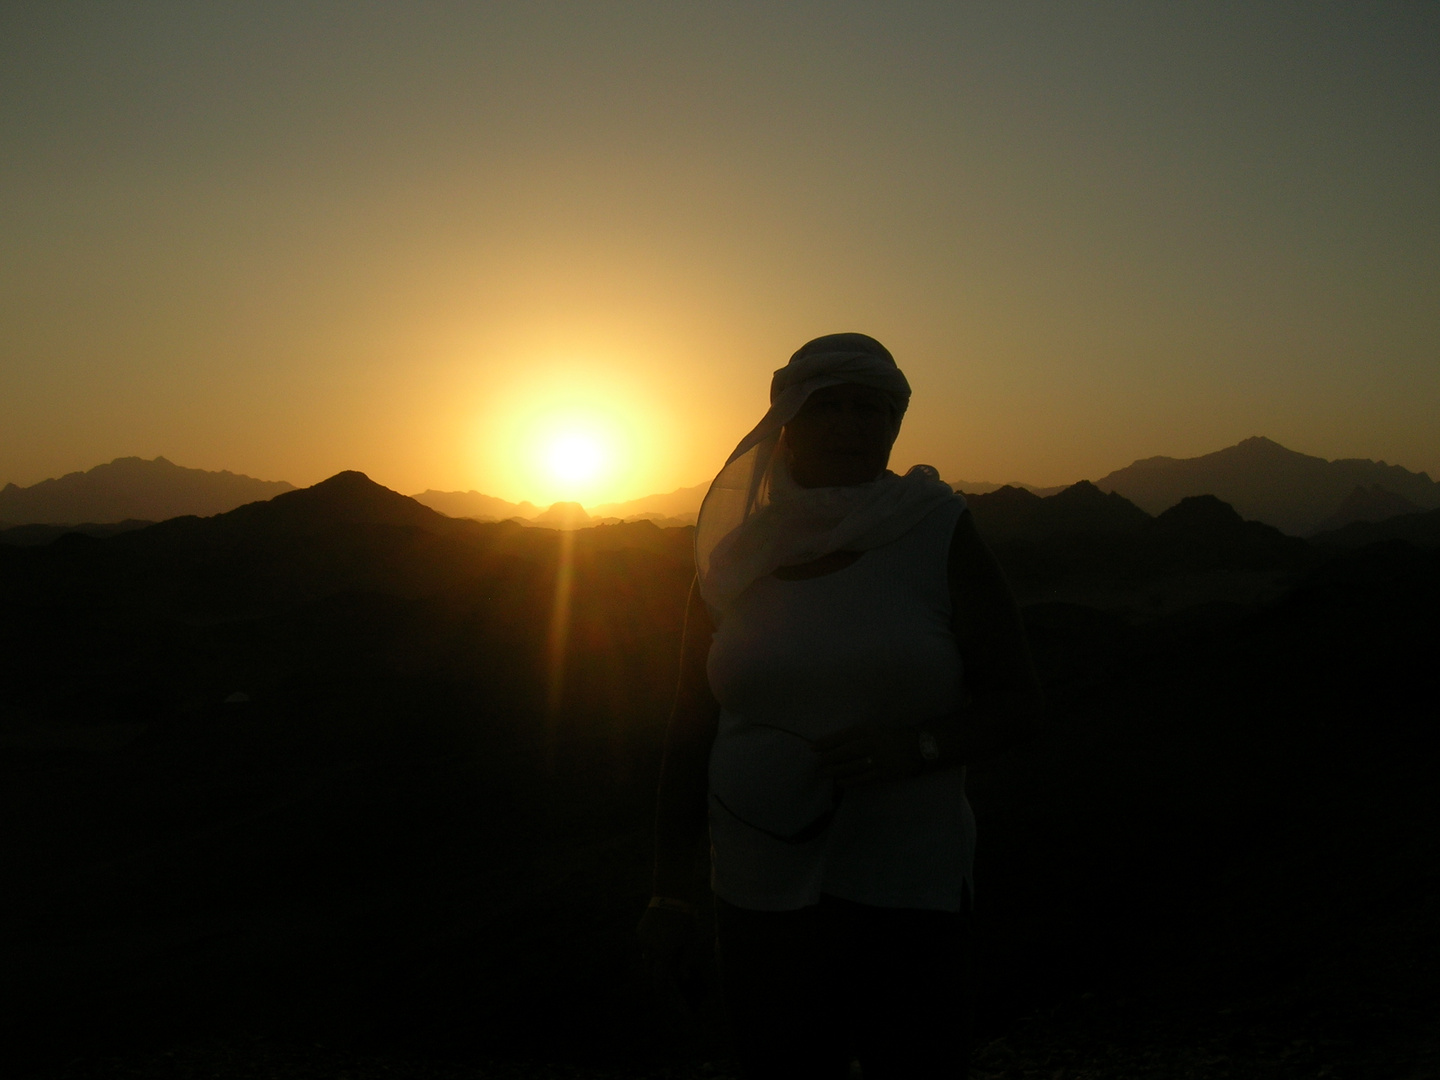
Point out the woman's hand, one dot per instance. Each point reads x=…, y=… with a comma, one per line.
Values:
x=666, y=949
x=869, y=754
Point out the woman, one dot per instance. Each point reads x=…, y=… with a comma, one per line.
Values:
x=850, y=644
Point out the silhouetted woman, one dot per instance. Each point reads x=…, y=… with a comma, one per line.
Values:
x=850, y=644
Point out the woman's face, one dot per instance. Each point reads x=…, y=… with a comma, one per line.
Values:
x=841, y=436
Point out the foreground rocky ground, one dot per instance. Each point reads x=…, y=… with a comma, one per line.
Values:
x=386, y=860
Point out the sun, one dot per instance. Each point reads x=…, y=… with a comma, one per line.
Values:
x=575, y=457
x=571, y=455
x=585, y=432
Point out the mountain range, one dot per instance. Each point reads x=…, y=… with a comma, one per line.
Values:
x=132, y=488
x=680, y=503
x=674, y=509
x=1296, y=493
x=473, y=504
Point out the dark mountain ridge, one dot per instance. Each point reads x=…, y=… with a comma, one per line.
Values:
x=347, y=498
x=1085, y=511
x=1422, y=530
x=1012, y=513
x=346, y=533
x=1297, y=493
x=335, y=506
x=1266, y=482
x=1106, y=547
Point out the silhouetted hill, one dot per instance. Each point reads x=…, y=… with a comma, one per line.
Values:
x=472, y=504
x=1004, y=513
x=985, y=487
x=347, y=531
x=1371, y=503
x=562, y=515
x=1202, y=516
x=347, y=498
x=1011, y=513
x=1085, y=546
x=1422, y=530
x=1266, y=482
x=1202, y=532
x=1084, y=508
x=673, y=509
x=132, y=488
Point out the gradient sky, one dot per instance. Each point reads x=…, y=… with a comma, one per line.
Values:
x=288, y=238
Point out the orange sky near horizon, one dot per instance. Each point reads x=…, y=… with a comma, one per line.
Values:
x=426, y=242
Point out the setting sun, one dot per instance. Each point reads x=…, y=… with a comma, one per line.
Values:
x=571, y=453
x=568, y=431
x=575, y=457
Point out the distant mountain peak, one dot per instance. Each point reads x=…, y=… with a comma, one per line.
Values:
x=562, y=515
x=1258, y=447
x=350, y=497
x=678, y=503
x=1201, y=513
x=348, y=480
x=1082, y=491
x=1009, y=513
x=133, y=488
x=1016, y=491
x=1266, y=482
x=472, y=504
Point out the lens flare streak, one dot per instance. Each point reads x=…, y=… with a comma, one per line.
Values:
x=558, y=638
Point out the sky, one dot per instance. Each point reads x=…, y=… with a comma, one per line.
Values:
x=442, y=243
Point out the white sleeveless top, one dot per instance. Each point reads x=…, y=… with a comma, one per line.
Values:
x=793, y=661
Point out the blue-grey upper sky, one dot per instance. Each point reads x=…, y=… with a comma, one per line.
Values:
x=428, y=240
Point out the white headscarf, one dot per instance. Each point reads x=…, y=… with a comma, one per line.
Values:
x=756, y=518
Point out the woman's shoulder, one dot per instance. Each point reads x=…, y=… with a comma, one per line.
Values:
x=942, y=524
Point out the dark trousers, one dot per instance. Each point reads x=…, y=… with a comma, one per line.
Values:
x=808, y=991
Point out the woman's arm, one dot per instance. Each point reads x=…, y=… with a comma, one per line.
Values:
x=680, y=810
x=1003, y=700
x=669, y=925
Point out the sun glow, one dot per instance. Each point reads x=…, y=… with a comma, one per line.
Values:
x=571, y=432
x=570, y=455
x=575, y=457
